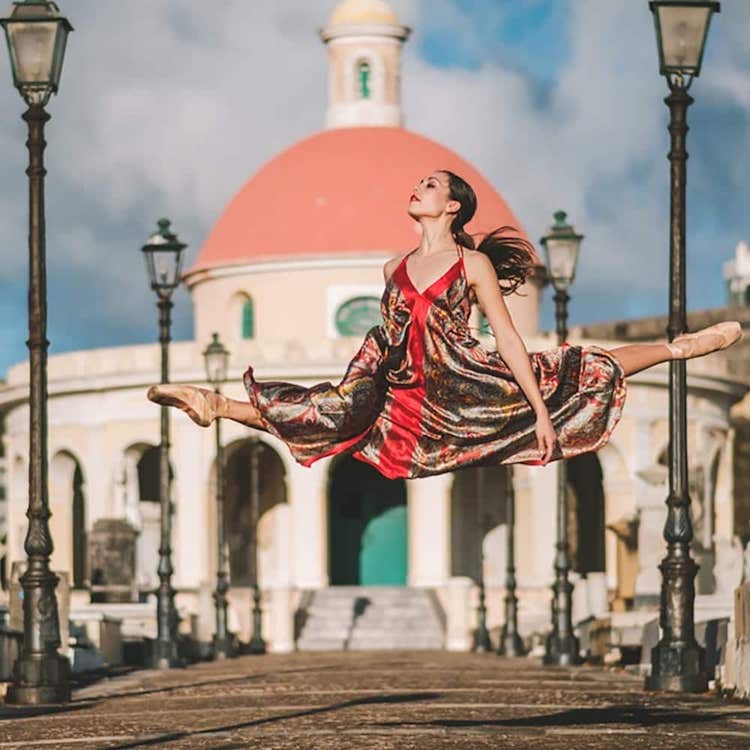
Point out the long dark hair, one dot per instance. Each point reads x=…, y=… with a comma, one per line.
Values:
x=511, y=255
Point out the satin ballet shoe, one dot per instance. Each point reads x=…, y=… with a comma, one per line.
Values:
x=200, y=404
x=707, y=340
x=716, y=327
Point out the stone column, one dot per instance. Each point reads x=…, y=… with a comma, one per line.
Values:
x=309, y=524
x=460, y=623
x=281, y=628
x=651, y=512
x=191, y=465
x=429, y=514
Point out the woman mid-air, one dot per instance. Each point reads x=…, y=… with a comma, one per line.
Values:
x=422, y=396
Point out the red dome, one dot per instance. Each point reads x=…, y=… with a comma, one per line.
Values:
x=343, y=190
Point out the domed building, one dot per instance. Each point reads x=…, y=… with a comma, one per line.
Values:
x=291, y=278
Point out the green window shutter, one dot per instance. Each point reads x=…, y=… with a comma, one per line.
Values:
x=364, y=79
x=484, y=326
x=248, y=320
x=358, y=315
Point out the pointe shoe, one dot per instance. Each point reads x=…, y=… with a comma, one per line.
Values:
x=200, y=404
x=710, y=339
x=716, y=327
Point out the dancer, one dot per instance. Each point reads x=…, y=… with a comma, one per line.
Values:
x=422, y=396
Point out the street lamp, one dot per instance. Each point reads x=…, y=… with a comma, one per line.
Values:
x=216, y=359
x=256, y=645
x=562, y=245
x=510, y=640
x=36, y=34
x=677, y=661
x=163, y=255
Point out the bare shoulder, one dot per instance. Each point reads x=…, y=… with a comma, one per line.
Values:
x=391, y=264
x=478, y=267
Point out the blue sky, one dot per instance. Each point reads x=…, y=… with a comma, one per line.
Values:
x=558, y=103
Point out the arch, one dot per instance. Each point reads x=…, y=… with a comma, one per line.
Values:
x=375, y=79
x=248, y=319
x=18, y=489
x=272, y=500
x=68, y=517
x=478, y=516
x=587, y=513
x=741, y=481
x=139, y=480
x=363, y=78
x=357, y=315
x=242, y=314
x=367, y=526
x=148, y=467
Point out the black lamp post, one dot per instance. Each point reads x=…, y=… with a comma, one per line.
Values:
x=256, y=644
x=562, y=245
x=510, y=639
x=163, y=255
x=482, y=643
x=36, y=34
x=216, y=358
x=677, y=661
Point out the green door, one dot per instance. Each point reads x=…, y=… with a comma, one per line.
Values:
x=367, y=526
x=382, y=555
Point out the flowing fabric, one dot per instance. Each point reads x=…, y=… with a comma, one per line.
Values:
x=422, y=396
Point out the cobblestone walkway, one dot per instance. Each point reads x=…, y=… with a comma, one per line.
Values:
x=378, y=700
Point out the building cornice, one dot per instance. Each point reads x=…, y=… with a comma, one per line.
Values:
x=208, y=273
x=374, y=30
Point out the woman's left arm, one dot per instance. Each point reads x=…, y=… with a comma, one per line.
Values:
x=481, y=276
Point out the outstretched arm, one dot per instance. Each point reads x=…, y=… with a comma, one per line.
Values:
x=482, y=278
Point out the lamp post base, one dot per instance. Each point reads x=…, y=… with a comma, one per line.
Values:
x=678, y=668
x=510, y=644
x=561, y=652
x=165, y=656
x=223, y=647
x=482, y=642
x=39, y=680
x=256, y=646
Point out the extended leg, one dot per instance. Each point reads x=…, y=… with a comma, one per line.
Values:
x=203, y=406
x=637, y=357
x=242, y=412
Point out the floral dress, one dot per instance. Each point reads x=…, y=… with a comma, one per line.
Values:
x=422, y=396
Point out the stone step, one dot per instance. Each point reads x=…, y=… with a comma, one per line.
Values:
x=385, y=597
x=371, y=636
x=395, y=644
x=377, y=632
x=362, y=618
x=320, y=644
x=382, y=644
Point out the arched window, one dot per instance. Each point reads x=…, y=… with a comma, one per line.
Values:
x=79, y=530
x=248, y=320
x=358, y=315
x=363, y=79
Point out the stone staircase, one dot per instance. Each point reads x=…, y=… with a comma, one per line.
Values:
x=363, y=618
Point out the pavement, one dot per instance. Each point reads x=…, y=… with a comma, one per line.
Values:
x=379, y=700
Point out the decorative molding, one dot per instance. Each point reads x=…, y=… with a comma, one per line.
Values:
x=374, y=259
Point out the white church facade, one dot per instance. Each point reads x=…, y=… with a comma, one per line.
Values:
x=293, y=299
